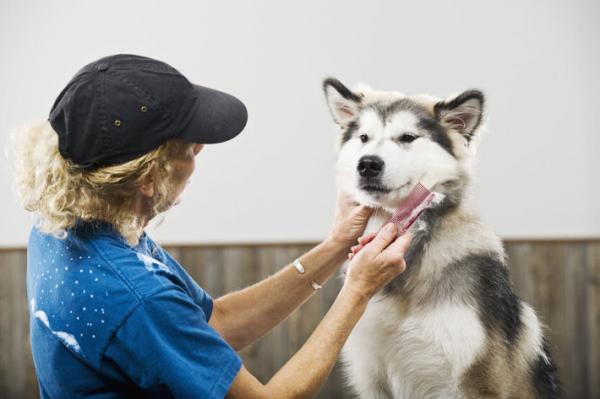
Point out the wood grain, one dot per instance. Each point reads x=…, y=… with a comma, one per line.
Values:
x=560, y=279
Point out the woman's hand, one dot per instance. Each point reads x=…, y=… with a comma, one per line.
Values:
x=362, y=241
x=349, y=221
x=380, y=260
x=373, y=267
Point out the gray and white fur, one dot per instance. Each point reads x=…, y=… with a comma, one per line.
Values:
x=450, y=326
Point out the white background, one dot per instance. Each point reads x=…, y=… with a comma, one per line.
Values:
x=537, y=61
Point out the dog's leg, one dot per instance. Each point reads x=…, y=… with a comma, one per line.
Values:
x=362, y=356
x=374, y=389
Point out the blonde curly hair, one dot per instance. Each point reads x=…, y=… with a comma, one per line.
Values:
x=58, y=192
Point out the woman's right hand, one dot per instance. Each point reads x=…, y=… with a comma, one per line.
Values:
x=378, y=262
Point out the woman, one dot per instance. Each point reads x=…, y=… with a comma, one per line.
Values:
x=113, y=314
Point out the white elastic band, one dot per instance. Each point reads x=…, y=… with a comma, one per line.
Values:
x=300, y=268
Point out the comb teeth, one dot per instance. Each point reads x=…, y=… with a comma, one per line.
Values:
x=408, y=211
x=416, y=197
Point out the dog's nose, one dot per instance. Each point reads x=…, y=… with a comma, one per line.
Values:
x=370, y=166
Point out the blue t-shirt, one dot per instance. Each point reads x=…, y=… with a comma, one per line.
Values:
x=113, y=321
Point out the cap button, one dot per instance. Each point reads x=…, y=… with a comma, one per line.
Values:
x=102, y=67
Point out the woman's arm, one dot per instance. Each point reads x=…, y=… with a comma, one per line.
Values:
x=242, y=317
x=305, y=372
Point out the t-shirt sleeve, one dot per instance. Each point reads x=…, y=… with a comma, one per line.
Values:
x=166, y=347
x=201, y=297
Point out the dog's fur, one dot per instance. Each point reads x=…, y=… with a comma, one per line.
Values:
x=450, y=326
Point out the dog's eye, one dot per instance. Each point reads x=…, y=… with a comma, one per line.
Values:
x=408, y=138
x=364, y=138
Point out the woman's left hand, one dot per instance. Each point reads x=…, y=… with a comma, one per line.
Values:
x=349, y=221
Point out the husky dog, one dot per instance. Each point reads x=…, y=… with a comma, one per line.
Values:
x=450, y=326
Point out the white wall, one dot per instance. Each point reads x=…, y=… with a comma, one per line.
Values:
x=538, y=62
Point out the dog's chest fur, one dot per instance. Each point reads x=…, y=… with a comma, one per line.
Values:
x=396, y=353
x=415, y=339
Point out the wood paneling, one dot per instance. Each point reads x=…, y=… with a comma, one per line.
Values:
x=560, y=279
x=17, y=376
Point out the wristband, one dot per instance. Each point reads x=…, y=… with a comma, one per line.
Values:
x=298, y=266
x=316, y=286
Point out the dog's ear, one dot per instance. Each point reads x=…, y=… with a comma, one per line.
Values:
x=462, y=113
x=343, y=103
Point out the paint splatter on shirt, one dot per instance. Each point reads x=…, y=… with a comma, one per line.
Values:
x=113, y=321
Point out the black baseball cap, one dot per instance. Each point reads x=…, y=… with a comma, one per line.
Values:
x=122, y=106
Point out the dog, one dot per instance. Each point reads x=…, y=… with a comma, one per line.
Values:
x=451, y=325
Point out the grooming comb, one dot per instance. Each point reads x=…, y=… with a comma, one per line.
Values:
x=411, y=208
x=406, y=214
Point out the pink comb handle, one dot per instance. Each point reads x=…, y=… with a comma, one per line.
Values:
x=411, y=208
x=408, y=211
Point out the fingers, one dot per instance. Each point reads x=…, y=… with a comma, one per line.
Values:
x=359, y=213
x=344, y=201
x=364, y=210
x=354, y=250
x=364, y=240
x=401, y=266
x=383, y=238
x=347, y=199
x=396, y=250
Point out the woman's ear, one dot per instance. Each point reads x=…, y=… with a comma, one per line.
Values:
x=462, y=113
x=343, y=103
x=147, y=188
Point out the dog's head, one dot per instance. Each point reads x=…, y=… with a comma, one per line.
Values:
x=389, y=142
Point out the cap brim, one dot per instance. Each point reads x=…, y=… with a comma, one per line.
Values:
x=217, y=117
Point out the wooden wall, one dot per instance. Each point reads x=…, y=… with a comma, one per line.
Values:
x=561, y=279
